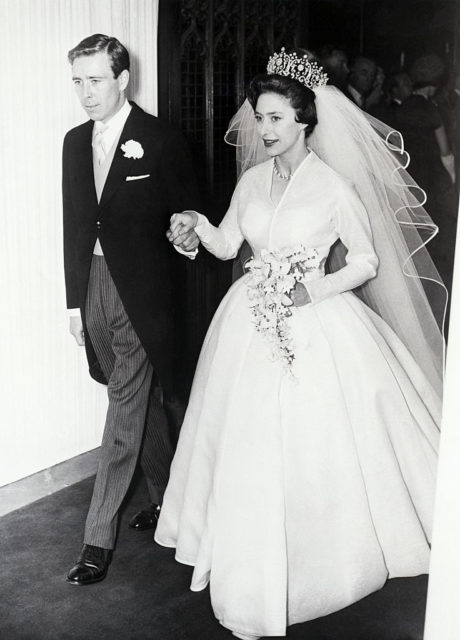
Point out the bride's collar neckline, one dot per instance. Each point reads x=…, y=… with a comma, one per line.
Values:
x=289, y=183
x=303, y=162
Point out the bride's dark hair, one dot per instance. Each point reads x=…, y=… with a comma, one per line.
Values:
x=301, y=98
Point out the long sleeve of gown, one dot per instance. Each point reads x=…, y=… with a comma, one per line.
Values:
x=225, y=240
x=353, y=228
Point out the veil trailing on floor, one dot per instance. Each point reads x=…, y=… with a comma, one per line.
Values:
x=407, y=292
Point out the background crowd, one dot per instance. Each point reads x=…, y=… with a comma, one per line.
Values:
x=422, y=102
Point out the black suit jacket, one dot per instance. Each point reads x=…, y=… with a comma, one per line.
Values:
x=131, y=221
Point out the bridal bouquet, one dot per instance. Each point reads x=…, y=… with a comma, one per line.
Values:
x=272, y=278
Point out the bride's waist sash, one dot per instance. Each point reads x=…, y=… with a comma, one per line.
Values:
x=301, y=263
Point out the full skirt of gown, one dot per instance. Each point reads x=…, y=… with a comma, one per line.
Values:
x=295, y=496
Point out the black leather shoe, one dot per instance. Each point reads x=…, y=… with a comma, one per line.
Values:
x=92, y=565
x=146, y=519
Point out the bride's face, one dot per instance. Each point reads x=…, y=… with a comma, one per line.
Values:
x=277, y=126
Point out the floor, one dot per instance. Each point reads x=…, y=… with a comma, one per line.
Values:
x=146, y=594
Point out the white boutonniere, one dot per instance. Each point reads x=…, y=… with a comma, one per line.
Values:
x=132, y=149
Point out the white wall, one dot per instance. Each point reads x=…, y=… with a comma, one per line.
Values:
x=443, y=606
x=50, y=409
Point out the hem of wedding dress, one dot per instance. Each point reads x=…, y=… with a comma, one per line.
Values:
x=183, y=561
x=408, y=574
x=200, y=588
x=164, y=544
x=251, y=635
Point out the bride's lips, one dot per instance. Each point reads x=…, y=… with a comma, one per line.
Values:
x=270, y=143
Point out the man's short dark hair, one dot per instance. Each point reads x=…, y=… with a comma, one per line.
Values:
x=98, y=43
x=427, y=71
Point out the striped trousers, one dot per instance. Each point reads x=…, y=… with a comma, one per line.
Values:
x=136, y=425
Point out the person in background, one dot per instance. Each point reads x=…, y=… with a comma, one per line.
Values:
x=448, y=101
x=397, y=88
x=376, y=95
x=365, y=81
x=335, y=63
x=431, y=160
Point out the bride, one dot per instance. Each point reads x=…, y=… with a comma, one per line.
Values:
x=305, y=471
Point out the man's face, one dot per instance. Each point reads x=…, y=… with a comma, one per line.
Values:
x=100, y=94
x=339, y=62
x=363, y=74
x=402, y=88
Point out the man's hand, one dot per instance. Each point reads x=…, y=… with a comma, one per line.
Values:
x=76, y=329
x=181, y=231
x=299, y=295
x=187, y=241
x=376, y=93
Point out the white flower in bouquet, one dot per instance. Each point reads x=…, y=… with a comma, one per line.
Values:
x=273, y=276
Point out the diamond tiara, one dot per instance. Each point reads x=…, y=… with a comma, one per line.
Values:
x=300, y=69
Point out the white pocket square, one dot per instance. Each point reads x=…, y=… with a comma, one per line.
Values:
x=147, y=175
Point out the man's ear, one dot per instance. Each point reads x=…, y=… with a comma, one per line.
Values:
x=123, y=79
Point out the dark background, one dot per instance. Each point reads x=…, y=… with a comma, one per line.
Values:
x=383, y=29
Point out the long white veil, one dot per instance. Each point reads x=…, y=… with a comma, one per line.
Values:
x=407, y=292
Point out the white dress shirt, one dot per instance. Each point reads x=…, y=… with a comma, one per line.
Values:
x=113, y=127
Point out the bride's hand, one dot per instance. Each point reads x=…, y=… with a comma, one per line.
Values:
x=181, y=231
x=299, y=295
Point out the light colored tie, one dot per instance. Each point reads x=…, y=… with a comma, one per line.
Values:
x=98, y=142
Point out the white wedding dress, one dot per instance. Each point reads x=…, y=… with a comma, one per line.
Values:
x=295, y=497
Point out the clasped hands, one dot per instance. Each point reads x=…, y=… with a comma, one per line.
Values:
x=182, y=234
x=182, y=230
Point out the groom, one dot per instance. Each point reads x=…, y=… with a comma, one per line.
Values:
x=124, y=173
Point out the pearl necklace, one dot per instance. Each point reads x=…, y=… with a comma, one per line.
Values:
x=277, y=172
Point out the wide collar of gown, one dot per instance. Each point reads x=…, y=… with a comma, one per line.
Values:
x=296, y=176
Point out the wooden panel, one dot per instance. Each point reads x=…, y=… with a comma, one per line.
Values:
x=208, y=51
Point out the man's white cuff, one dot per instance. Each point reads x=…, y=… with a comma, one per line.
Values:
x=189, y=254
